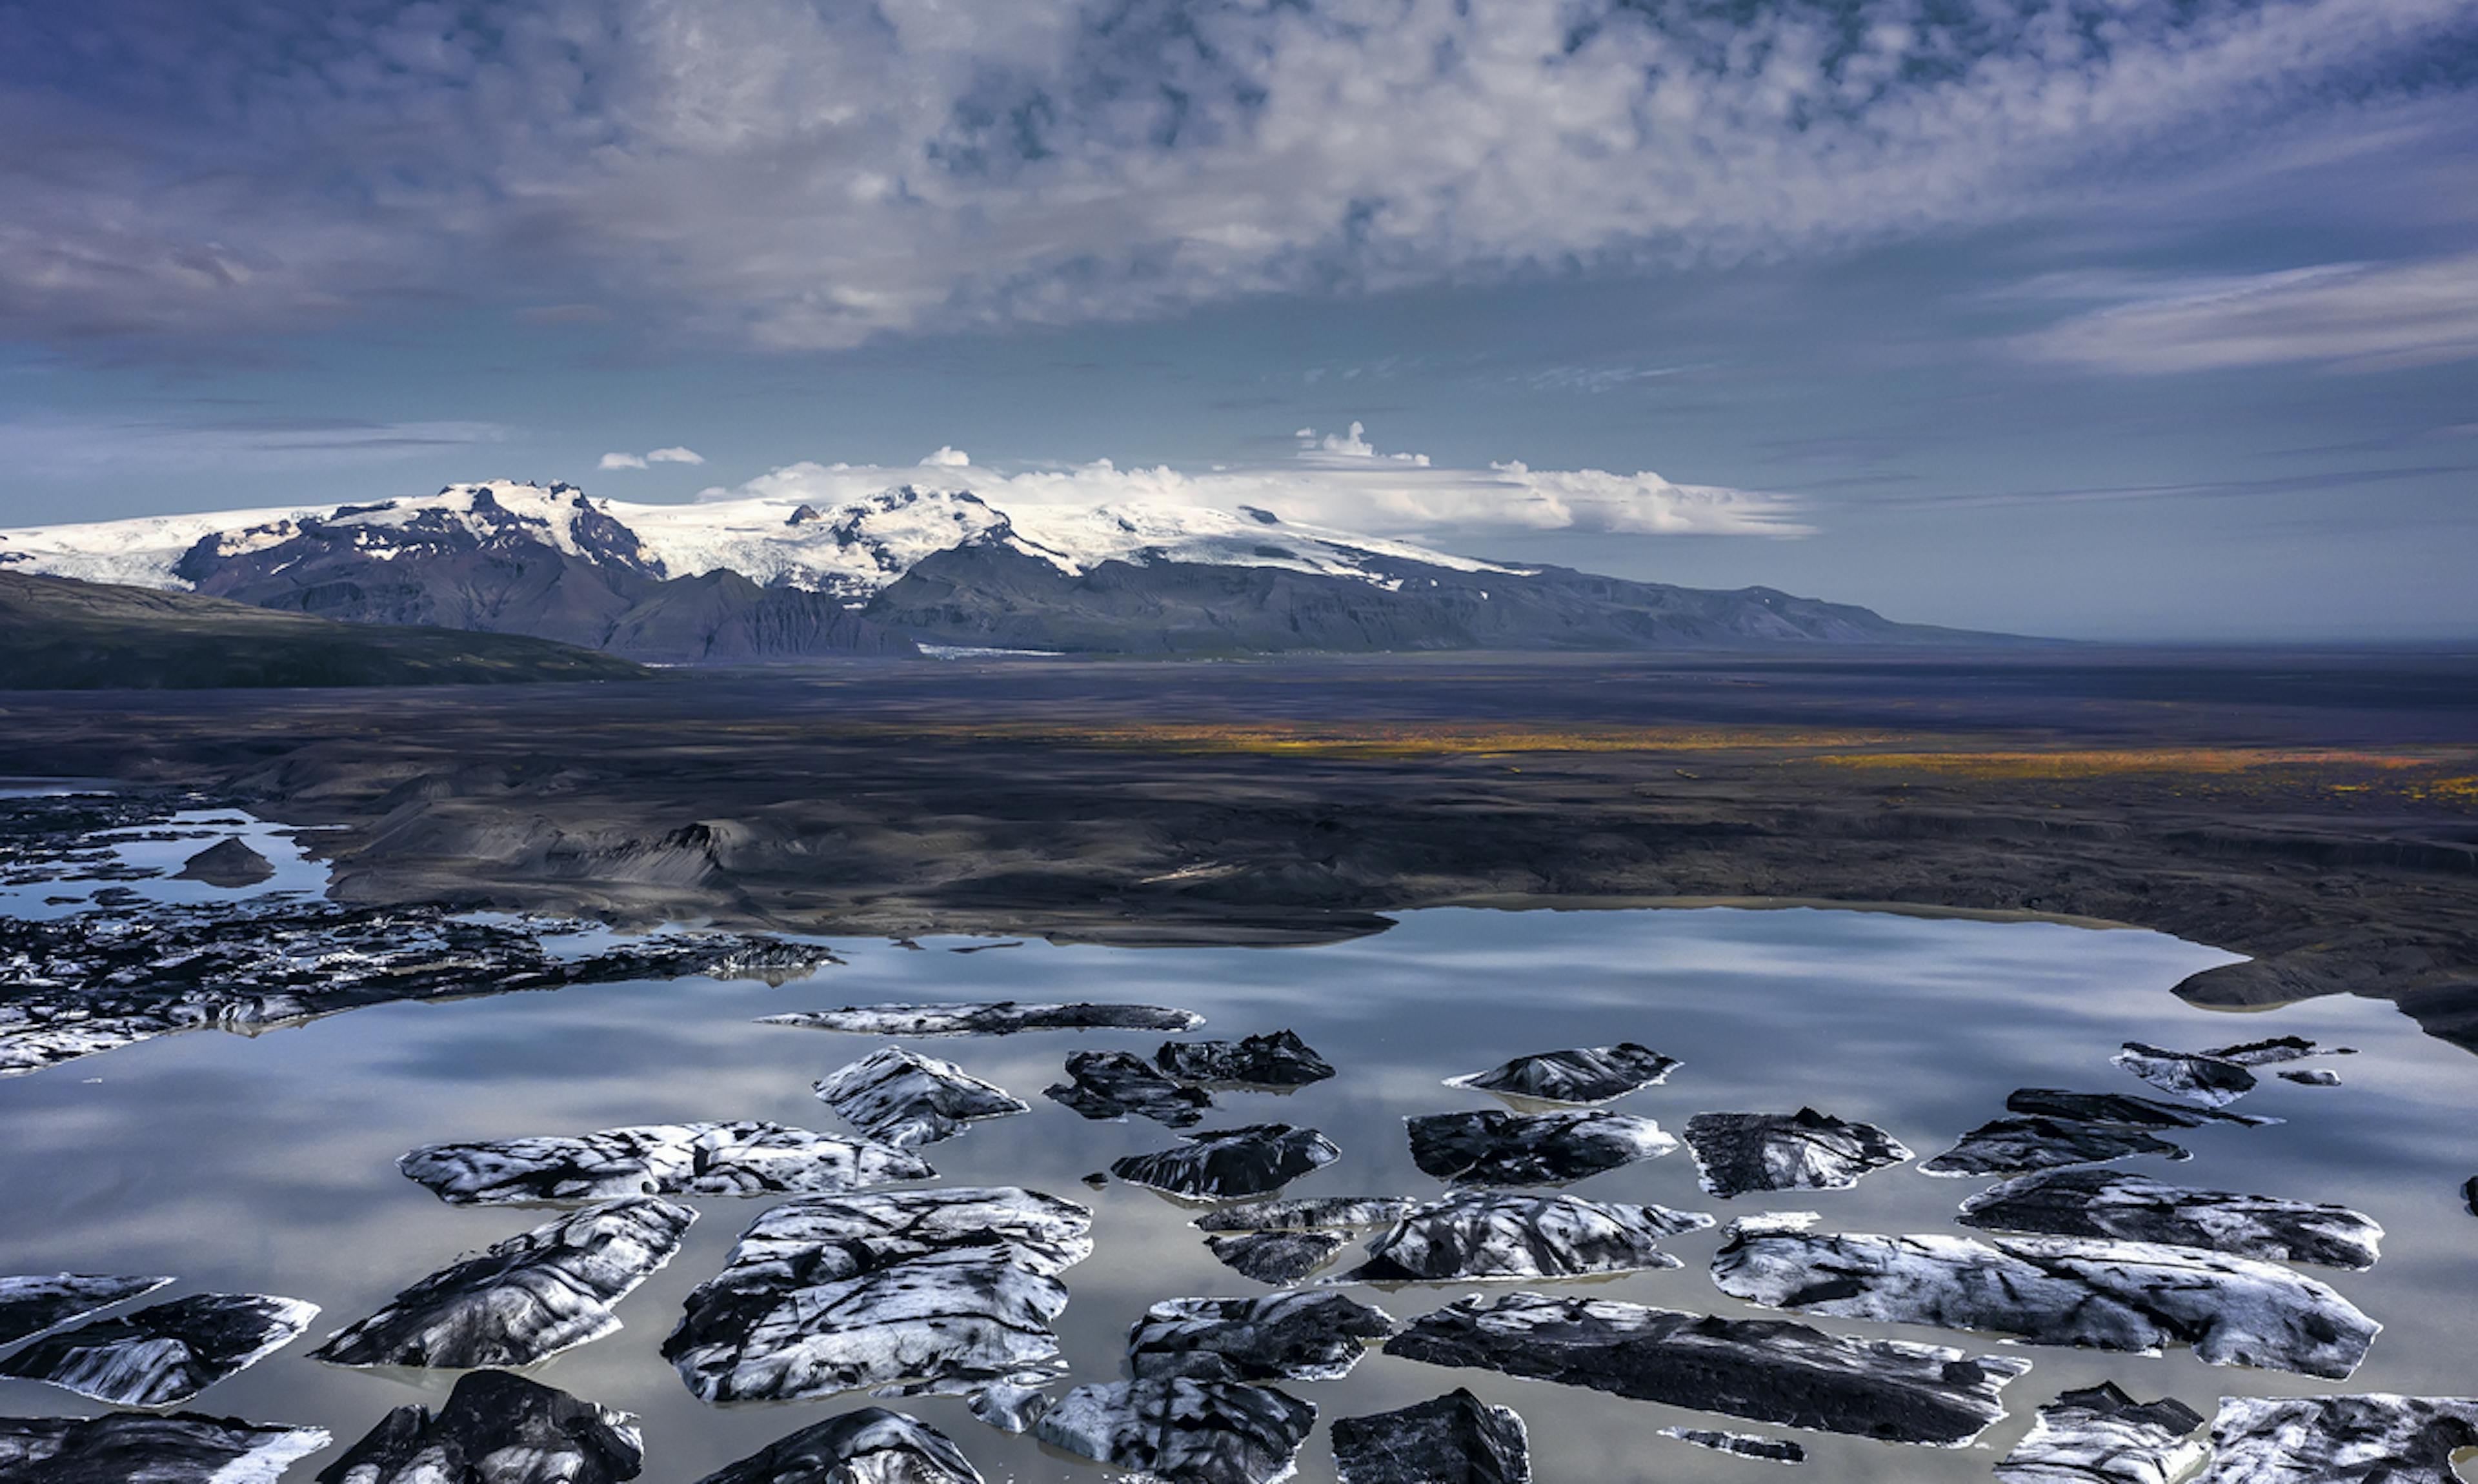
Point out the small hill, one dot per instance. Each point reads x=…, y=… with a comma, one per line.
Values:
x=59, y=634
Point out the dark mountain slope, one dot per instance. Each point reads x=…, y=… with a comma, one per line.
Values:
x=60, y=634
x=495, y=571
x=986, y=593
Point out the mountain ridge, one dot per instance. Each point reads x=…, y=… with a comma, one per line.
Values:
x=766, y=579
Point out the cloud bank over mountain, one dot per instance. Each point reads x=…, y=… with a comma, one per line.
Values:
x=786, y=174
x=1336, y=479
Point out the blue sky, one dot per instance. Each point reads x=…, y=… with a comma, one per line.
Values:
x=2134, y=319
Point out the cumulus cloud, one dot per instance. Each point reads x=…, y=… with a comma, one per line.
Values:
x=805, y=175
x=1339, y=481
x=2349, y=315
x=639, y=461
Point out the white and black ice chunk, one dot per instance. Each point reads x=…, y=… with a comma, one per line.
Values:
x=996, y=1018
x=1740, y=1445
x=1278, y=1059
x=1478, y=1234
x=130, y=1447
x=1276, y=1257
x=869, y=1445
x=2110, y=1295
x=495, y=1428
x=2013, y=1145
x=1579, y=1074
x=904, y=1098
x=2374, y=1438
x=1194, y=1432
x=1494, y=1146
x=2099, y=1435
x=2127, y=1207
x=165, y=1353
x=2123, y=1108
x=1281, y=1337
x=1806, y=1150
x=1108, y=1085
x=745, y=1158
x=1764, y=1371
x=1453, y=1439
x=1308, y=1213
x=831, y=1294
x=2207, y=1080
x=35, y=1302
x=523, y=1299
x=1222, y=1164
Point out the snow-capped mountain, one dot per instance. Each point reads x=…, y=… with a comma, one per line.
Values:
x=764, y=578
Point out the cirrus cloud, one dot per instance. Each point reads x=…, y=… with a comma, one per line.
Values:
x=798, y=175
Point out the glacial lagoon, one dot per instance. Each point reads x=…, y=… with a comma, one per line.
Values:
x=267, y=1163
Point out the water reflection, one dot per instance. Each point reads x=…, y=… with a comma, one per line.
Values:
x=266, y=1164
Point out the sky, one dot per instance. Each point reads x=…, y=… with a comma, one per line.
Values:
x=2155, y=319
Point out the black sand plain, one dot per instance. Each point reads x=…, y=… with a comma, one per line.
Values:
x=2317, y=811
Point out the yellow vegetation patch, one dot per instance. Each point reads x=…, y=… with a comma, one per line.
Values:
x=1387, y=739
x=2096, y=763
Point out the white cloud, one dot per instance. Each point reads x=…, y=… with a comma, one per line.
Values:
x=639, y=461
x=809, y=175
x=1340, y=481
x=2350, y=316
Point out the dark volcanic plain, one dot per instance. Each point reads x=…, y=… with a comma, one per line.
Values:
x=2315, y=811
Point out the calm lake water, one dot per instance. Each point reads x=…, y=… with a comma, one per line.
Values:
x=265, y=1164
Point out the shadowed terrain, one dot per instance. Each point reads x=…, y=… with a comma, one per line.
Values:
x=2317, y=812
x=58, y=634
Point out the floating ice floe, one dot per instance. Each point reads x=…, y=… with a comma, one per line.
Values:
x=1806, y=1150
x=993, y=1018
x=2374, y=1438
x=2013, y=1145
x=1497, y=1147
x=1224, y=1163
x=1281, y=1059
x=2313, y=1077
x=1110, y=1084
x=2208, y=1080
x=33, y=1304
x=2135, y=1208
x=1581, y=1076
x=524, y=1299
x=134, y=970
x=495, y=1428
x=1765, y=1370
x=2123, y=1108
x=2277, y=1049
x=2111, y=1295
x=129, y=1447
x=870, y=1446
x=1475, y=1234
x=1308, y=1213
x=1194, y=1433
x=1276, y=1257
x=745, y=1158
x=1453, y=1439
x=1281, y=1337
x=2099, y=1435
x=1740, y=1445
x=903, y=1099
x=164, y=1354
x=831, y=1294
